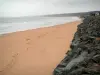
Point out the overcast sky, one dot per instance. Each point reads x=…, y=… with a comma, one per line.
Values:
x=16, y=8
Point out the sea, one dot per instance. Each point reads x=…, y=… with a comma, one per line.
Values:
x=10, y=25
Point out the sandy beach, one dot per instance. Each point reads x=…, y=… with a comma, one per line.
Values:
x=37, y=51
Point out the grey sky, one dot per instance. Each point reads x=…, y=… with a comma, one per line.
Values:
x=15, y=8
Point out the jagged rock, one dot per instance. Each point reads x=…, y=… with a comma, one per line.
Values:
x=84, y=56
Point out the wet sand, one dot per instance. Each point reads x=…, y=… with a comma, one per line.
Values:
x=35, y=52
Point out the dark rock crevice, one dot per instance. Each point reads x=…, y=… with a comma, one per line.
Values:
x=84, y=56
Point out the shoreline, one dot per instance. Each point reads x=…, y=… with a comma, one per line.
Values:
x=7, y=33
x=35, y=24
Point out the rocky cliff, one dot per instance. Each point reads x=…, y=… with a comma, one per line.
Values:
x=84, y=56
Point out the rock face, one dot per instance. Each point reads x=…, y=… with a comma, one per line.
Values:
x=84, y=56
